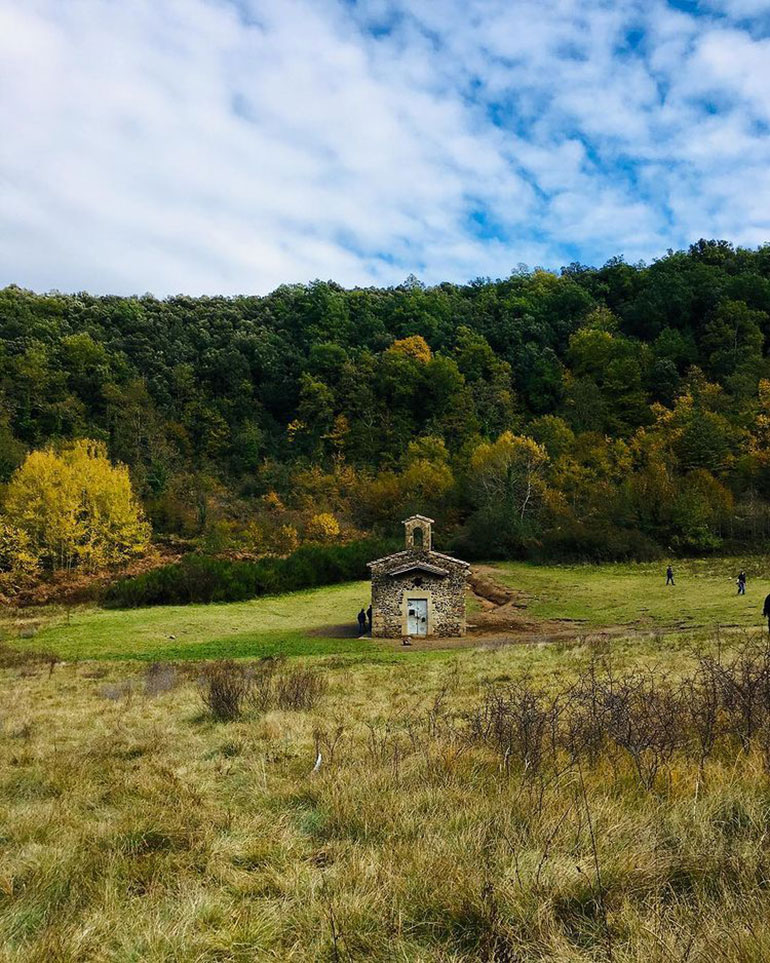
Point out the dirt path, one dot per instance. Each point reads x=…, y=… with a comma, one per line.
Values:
x=502, y=619
x=503, y=610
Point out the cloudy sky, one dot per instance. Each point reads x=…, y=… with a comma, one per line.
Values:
x=227, y=146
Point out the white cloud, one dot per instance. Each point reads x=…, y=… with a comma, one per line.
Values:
x=232, y=145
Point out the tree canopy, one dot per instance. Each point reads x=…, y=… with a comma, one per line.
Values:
x=639, y=393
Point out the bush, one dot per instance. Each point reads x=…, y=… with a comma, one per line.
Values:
x=224, y=687
x=299, y=689
x=197, y=578
x=227, y=687
x=576, y=541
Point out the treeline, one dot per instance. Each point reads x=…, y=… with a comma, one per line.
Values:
x=600, y=412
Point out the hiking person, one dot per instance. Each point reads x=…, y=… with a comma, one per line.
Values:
x=369, y=618
x=362, y=622
x=669, y=576
x=766, y=612
x=741, y=582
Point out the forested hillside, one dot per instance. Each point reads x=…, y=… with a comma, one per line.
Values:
x=611, y=412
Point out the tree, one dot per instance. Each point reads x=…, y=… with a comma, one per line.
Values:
x=415, y=346
x=733, y=339
x=76, y=508
x=510, y=473
x=323, y=527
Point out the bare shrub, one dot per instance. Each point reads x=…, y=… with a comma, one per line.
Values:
x=327, y=741
x=159, y=677
x=744, y=689
x=262, y=693
x=520, y=722
x=643, y=716
x=299, y=689
x=702, y=703
x=12, y=657
x=224, y=687
x=274, y=687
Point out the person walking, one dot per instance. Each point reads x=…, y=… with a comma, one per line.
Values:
x=669, y=576
x=362, y=622
x=741, y=582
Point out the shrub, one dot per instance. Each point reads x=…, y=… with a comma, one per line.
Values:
x=115, y=691
x=263, y=682
x=299, y=689
x=224, y=686
x=197, y=578
x=323, y=527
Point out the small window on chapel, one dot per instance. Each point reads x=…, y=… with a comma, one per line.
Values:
x=417, y=538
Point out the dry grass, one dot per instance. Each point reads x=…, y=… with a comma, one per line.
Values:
x=137, y=828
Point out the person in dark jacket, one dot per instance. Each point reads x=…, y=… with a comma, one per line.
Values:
x=362, y=622
x=766, y=612
x=741, y=582
x=369, y=619
x=669, y=576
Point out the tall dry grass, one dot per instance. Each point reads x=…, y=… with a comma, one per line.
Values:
x=505, y=806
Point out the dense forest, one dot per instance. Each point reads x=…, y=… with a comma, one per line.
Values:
x=615, y=412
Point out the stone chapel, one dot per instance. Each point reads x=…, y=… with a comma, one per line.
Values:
x=418, y=591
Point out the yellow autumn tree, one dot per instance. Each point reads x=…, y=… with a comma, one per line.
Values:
x=76, y=508
x=323, y=527
x=415, y=346
x=509, y=474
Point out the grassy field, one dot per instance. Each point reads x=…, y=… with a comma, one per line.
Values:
x=265, y=626
x=136, y=828
x=316, y=622
x=704, y=594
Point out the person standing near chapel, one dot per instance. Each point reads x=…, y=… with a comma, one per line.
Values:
x=766, y=611
x=669, y=576
x=741, y=582
x=362, y=622
x=369, y=618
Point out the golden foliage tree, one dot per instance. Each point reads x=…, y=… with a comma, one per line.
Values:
x=323, y=527
x=415, y=346
x=75, y=508
x=510, y=472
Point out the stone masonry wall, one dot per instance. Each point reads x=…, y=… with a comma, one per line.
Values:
x=445, y=595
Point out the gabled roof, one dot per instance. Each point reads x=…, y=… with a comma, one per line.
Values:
x=416, y=558
x=418, y=566
x=422, y=518
x=451, y=558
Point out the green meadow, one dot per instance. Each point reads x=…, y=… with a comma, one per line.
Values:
x=322, y=621
x=704, y=594
x=267, y=626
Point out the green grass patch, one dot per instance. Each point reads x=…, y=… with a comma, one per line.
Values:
x=704, y=596
x=267, y=626
x=321, y=622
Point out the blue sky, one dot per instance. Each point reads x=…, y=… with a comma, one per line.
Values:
x=228, y=146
